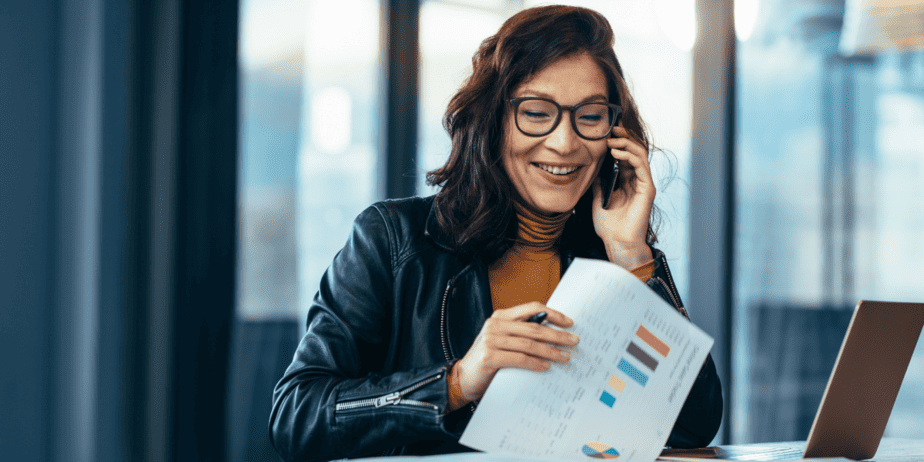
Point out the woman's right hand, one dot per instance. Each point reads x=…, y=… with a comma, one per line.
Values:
x=508, y=340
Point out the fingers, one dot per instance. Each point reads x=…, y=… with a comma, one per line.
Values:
x=507, y=340
x=506, y=330
x=621, y=133
x=634, y=153
x=528, y=347
x=524, y=311
x=623, y=141
x=504, y=358
x=532, y=331
x=633, y=157
x=632, y=167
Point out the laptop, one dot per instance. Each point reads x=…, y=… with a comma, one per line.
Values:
x=858, y=399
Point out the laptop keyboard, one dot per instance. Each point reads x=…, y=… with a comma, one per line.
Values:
x=760, y=453
x=772, y=454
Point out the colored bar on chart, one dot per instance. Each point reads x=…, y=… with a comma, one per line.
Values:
x=607, y=399
x=642, y=357
x=616, y=383
x=632, y=372
x=653, y=341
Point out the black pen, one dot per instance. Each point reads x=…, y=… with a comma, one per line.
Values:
x=538, y=318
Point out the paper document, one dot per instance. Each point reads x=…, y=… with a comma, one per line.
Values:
x=620, y=394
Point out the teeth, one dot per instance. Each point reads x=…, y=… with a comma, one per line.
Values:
x=557, y=170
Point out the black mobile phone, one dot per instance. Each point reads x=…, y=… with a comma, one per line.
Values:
x=609, y=176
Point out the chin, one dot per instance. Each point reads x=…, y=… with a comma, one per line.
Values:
x=555, y=205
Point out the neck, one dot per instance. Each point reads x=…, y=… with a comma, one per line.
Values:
x=536, y=228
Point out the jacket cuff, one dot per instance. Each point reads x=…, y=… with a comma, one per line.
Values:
x=454, y=421
x=644, y=271
x=456, y=399
x=379, y=399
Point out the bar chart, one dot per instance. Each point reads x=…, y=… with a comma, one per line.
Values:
x=645, y=359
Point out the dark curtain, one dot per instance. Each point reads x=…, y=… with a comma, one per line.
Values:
x=262, y=351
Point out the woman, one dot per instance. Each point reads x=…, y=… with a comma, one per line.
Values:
x=430, y=296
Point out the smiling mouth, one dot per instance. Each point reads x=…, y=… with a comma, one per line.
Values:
x=560, y=171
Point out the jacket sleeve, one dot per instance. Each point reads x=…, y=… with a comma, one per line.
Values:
x=701, y=413
x=330, y=404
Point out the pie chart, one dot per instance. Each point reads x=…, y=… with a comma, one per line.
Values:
x=598, y=450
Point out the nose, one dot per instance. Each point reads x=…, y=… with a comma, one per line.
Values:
x=564, y=140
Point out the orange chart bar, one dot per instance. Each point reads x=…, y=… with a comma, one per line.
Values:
x=617, y=383
x=652, y=341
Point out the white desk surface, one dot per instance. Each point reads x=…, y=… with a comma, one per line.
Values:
x=890, y=450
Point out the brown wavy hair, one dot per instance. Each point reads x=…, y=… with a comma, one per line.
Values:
x=474, y=204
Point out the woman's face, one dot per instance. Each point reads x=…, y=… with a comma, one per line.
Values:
x=527, y=159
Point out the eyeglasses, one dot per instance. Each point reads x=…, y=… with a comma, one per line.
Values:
x=540, y=116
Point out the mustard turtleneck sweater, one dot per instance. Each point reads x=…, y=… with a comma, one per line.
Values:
x=528, y=271
x=531, y=268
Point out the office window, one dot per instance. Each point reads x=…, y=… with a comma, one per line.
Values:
x=309, y=99
x=653, y=43
x=830, y=162
x=450, y=32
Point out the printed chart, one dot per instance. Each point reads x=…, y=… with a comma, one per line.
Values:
x=615, y=399
x=616, y=384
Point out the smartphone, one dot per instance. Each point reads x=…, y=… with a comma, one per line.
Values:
x=609, y=176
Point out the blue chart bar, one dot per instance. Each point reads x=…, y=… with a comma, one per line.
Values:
x=632, y=372
x=607, y=399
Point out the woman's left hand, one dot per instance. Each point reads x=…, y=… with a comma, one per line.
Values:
x=623, y=225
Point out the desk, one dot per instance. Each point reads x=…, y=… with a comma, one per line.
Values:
x=890, y=450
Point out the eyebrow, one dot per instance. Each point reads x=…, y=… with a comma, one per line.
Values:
x=596, y=97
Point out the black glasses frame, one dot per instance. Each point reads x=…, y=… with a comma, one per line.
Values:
x=515, y=102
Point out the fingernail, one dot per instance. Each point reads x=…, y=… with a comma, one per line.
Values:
x=573, y=338
x=564, y=354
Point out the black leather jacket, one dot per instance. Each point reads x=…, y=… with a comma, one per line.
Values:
x=395, y=309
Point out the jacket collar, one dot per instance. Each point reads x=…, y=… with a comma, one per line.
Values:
x=433, y=231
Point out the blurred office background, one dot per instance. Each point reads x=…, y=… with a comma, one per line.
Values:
x=176, y=176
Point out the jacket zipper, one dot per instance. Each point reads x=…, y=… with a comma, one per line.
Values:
x=670, y=280
x=669, y=293
x=444, y=336
x=671, y=289
x=392, y=398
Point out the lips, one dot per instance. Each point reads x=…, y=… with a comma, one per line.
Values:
x=558, y=169
x=559, y=174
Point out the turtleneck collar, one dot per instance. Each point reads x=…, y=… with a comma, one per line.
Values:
x=536, y=229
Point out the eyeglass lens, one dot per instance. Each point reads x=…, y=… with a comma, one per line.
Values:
x=538, y=117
